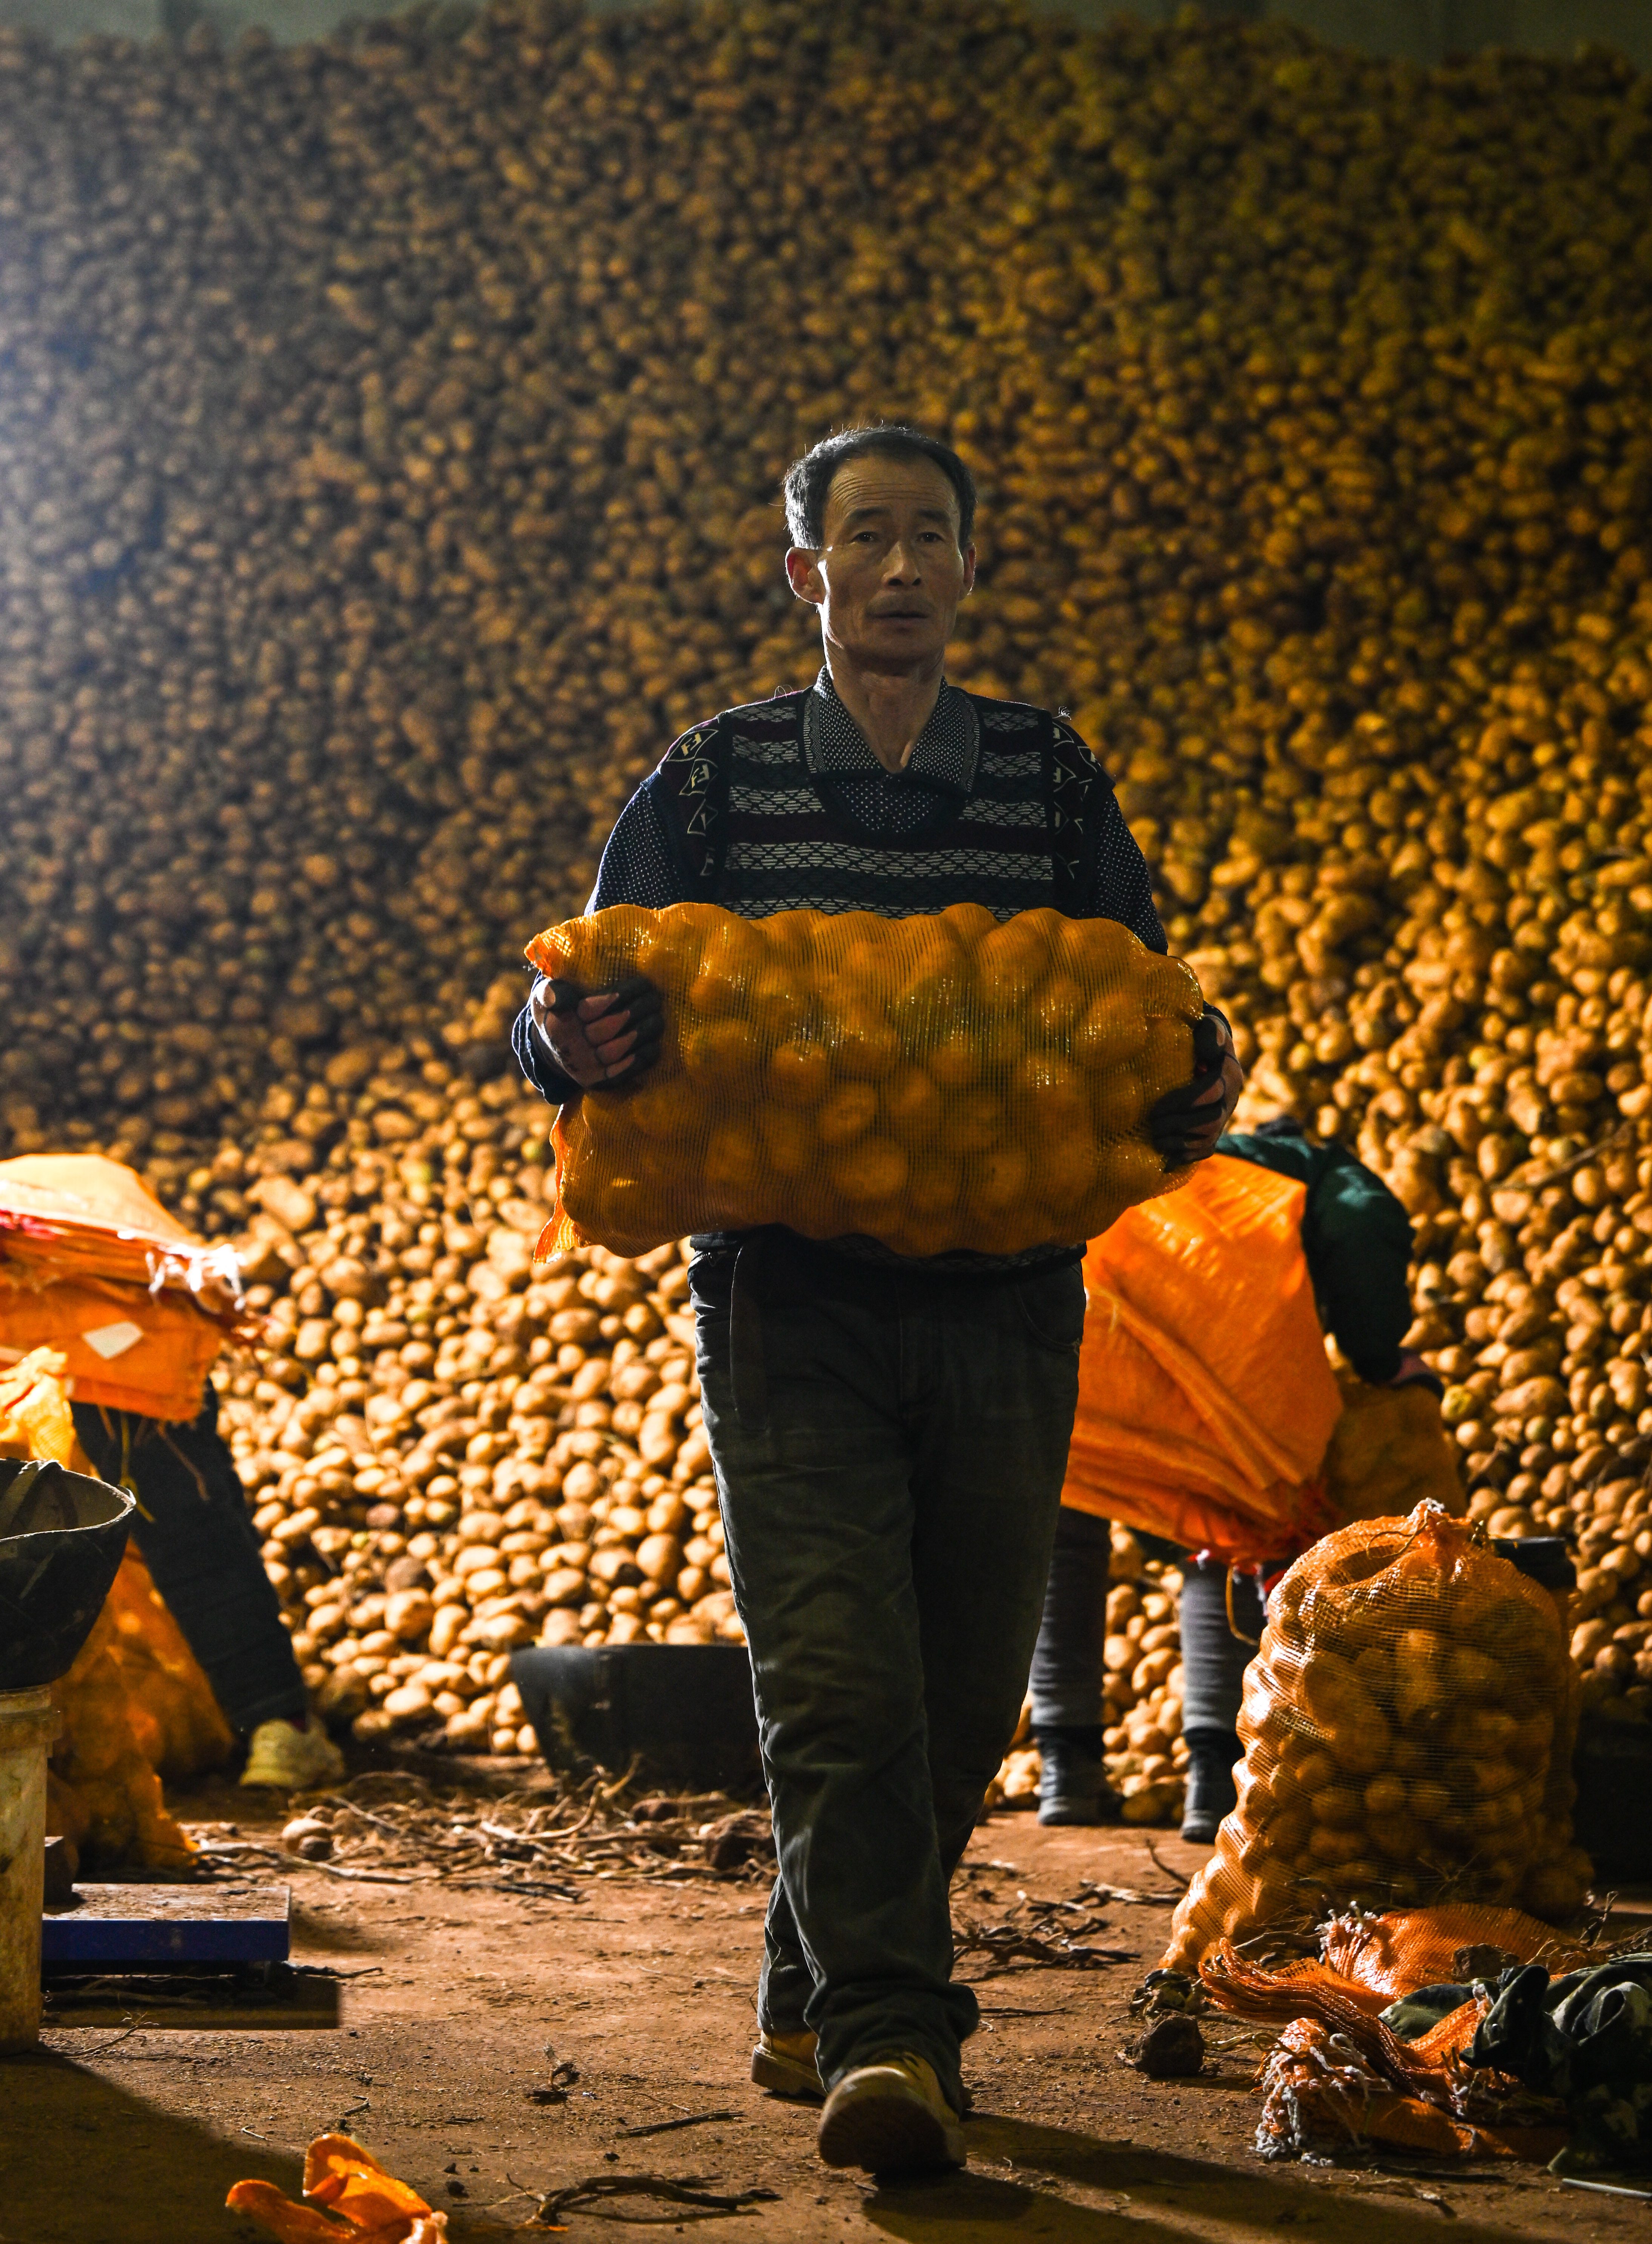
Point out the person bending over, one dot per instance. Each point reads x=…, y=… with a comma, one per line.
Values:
x=1357, y=1239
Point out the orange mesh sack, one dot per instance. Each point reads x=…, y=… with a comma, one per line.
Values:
x=103, y=1792
x=175, y=1719
x=106, y=1785
x=1205, y=1398
x=935, y=1083
x=1401, y=1726
x=93, y=1267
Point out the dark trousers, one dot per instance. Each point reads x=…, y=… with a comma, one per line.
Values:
x=1214, y=1659
x=889, y=1451
x=197, y=1539
x=1069, y=1664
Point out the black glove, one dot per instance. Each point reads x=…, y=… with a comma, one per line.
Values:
x=1178, y=1124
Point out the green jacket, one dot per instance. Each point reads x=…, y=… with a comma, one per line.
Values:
x=1357, y=1239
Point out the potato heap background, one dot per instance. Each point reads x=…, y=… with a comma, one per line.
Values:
x=389, y=438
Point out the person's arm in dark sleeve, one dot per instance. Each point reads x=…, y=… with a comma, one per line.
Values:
x=1357, y=1239
x=641, y=864
x=1182, y=1126
x=1120, y=885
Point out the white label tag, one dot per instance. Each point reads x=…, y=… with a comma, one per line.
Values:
x=110, y=1341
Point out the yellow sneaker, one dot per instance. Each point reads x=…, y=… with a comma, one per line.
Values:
x=287, y=1759
x=889, y=2117
x=785, y=2064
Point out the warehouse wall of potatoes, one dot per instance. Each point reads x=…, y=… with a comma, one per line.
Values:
x=389, y=431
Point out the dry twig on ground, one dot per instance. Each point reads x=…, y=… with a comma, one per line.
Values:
x=393, y=1827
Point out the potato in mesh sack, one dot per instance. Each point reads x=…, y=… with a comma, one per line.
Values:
x=1388, y=1453
x=1405, y=1725
x=937, y=1083
x=102, y=1793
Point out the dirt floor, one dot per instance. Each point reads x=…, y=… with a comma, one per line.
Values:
x=438, y=2044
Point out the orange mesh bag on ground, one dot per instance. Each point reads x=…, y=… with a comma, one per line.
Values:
x=1316, y=2091
x=936, y=1082
x=1406, y=1948
x=1339, y=2069
x=135, y=1707
x=91, y=1266
x=1399, y=1724
x=106, y=1787
x=1205, y=1398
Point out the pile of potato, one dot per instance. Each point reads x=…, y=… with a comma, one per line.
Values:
x=389, y=431
x=936, y=1082
x=450, y=1451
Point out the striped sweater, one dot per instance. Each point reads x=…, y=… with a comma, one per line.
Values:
x=782, y=806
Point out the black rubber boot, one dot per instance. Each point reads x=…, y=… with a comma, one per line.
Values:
x=1072, y=1785
x=1211, y=1791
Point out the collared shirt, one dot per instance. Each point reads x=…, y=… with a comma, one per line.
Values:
x=944, y=755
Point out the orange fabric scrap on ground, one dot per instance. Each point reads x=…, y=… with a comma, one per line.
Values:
x=1206, y=1402
x=352, y=2200
x=93, y=1267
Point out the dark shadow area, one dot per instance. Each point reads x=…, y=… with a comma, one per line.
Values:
x=1159, y=2196
x=279, y=2000
x=89, y=2163
x=103, y=2164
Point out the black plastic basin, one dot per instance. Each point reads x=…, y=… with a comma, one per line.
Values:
x=682, y=1711
x=62, y=1537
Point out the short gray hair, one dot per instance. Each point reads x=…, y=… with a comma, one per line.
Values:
x=809, y=480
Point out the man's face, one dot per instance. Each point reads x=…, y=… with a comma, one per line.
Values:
x=890, y=576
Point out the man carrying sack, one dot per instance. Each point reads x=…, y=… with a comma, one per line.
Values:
x=94, y=1267
x=889, y=1434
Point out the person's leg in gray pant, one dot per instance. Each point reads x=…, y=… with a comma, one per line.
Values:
x=1069, y=1671
x=1214, y=1660
x=890, y=1453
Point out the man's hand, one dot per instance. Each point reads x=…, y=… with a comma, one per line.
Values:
x=599, y=1037
x=1185, y=1124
